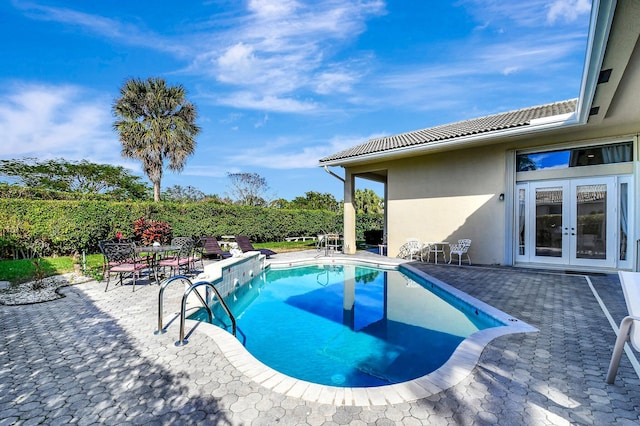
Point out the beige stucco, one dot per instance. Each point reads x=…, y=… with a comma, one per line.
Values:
x=447, y=196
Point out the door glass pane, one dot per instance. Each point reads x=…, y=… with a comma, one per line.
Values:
x=591, y=231
x=549, y=222
x=521, y=221
x=624, y=215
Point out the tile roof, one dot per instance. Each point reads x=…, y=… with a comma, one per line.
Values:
x=488, y=124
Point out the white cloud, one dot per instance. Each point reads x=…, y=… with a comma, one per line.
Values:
x=262, y=122
x=47, y=121
x=248, y=100
x=283, y=47
x=287, y=153
x=113, y=29
x=568, y=10
x=208, y=171
x=447, y=83
x=528, y=13
x=237, y=64
x=334, y=82
x=492, y=13
x=272, y=8
x=271, y=49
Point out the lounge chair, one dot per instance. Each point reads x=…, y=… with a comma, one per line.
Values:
x=245, y=245
x=212, y=248
x=630, y=325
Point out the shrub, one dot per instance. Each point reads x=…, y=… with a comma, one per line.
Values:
x=156, y=231
x=62, y=227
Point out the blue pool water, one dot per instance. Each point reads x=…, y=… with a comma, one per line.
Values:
x=348, y=325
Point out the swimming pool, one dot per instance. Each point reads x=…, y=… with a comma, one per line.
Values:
x=353, y=325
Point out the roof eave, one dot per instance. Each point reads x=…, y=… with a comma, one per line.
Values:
x=601, y=19
x=537, y=126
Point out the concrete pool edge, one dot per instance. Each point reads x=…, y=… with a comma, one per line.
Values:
x=459, y=366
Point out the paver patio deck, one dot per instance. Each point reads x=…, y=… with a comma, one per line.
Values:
x=92, y=357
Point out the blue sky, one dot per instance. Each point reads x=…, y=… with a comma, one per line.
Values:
x=278, y=84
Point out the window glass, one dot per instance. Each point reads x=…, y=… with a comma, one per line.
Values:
x=576, y=157
x=624, y=219
x=521, y=221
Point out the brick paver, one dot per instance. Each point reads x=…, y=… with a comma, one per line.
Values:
x=92, y=357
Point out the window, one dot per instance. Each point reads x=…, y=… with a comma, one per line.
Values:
x=576, y=157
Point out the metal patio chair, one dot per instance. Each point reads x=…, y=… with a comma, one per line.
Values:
x=121, y=258
x=459, y=249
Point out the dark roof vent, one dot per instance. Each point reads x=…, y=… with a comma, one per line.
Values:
x=594, y=110
x=604, y=76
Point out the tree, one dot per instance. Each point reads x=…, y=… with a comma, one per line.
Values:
x=315, y=201
x=368, y=202
x=280, y=203
x=155, y=123
x=184, y=194
x=75, y=177
x=248, y=189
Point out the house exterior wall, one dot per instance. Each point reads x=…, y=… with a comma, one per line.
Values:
x=448, y=196
x=445, y=196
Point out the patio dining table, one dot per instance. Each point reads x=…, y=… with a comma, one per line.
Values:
x=437, y=248
x=156, y=252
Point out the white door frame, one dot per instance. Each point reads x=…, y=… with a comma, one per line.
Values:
x=566, y=230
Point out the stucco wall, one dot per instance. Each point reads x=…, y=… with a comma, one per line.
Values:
x=447, y=196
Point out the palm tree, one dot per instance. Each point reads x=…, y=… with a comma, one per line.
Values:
x=155, y=123
x=368, y=202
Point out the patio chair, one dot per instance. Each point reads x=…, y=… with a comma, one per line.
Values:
x=212, y=248
x=459, y=249
x=630, y=325
x=181, y=259
x=410, y=249
x=138, y=257
x=425, y=252
x=245, y=245
x=120, y=258
x=197, y=253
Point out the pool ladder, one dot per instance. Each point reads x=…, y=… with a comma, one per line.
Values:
x=183, y=309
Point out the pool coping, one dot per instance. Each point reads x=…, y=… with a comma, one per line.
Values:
x=460, y=365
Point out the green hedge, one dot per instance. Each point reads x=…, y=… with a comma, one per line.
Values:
x=61, y=227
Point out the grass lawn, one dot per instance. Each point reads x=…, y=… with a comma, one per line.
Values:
x=23, y=270
x=285, y=246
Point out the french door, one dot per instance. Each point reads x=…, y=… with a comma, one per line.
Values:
x=569, y=222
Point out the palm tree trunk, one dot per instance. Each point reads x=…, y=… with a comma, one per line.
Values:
x=156, y=191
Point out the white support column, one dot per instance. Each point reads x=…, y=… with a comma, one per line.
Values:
x=349, y=246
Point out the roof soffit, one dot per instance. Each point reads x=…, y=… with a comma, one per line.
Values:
x=624, y=36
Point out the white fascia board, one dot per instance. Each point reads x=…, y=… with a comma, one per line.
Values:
x=560, y=119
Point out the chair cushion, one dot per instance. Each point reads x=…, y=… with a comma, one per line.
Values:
x=173, y=262
x=127, y=267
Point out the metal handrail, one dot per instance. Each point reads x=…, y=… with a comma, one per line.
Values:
x=183, y=309
x=163, y=286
